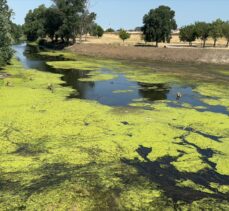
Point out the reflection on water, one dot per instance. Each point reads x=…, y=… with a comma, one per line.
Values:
x=104, y=91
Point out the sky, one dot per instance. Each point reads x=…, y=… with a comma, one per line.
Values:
x=128, y=14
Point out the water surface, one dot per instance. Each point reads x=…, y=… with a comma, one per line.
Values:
x=113, y=92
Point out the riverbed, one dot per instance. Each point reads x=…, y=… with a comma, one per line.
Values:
x=85, y=133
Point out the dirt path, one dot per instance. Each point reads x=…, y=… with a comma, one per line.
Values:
x=213, y=56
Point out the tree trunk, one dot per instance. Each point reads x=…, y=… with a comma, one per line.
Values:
x=204, y=43
x=62, y=39
x=227, y=43
x=190, y=43
x=157, y=44
x=74, y=39
x=56, y=38
x=214, y=43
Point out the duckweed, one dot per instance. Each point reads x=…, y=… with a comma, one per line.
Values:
x=59, y=154
x=65, y=65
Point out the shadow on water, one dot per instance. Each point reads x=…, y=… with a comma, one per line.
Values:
x=105, y=92
x=163, y=173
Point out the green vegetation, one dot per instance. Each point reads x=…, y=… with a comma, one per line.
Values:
x=96, y=31
x=64, y=20
x=226, y=32
x=158, y=25
x=188, y=34
x=110, y=30
x=65, y=65
x=216, y=30
x=16, y=32
x=74, y=154
x=124, y=35
x=203, y=31
x=62, y=153
x=34, y=23
x=5, y=35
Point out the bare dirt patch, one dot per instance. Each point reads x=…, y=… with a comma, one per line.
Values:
x=213, y=56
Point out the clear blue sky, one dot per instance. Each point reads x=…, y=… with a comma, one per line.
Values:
x=128, y=13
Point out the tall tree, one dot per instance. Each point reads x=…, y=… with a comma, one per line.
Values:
x=16, y=32
x=5, y=33
x=203, y=31
x=216, y=30
x=225, y=29
x=188, y=34
x=52, y=22
x=86, y=23
x=72, y=9
x=158, y=25
x=34, y=23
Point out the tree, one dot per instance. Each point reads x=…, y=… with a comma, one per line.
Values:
x=203, y=31
x=16, y=32
x=225, y=30
x=86, y=23
x=158, y=25
x=124, y=35
x=110, y=30
x=97, y=30
x=72, y=9
x=65, y=19
x=216, y=30
x=34, y=26
x=138, y=29
x=188, y=34
x=6, y=52
x=100, y=31
x=52, y=22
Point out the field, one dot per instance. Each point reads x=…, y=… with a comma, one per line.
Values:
x=136, y=38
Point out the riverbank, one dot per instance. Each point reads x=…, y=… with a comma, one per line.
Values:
x=190, y=55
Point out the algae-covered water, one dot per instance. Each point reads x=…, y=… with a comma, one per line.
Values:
x=81, y=133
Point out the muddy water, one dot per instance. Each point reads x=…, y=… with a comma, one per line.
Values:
x=119, y=91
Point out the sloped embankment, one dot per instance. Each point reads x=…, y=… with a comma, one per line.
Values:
x=213, y=56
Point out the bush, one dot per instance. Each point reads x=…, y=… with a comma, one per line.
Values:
x=124, y=35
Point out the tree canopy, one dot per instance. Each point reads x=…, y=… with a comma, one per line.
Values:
x=203, y=31
x=216, y=30
x=34, y=26
x=96, y=30
x=188, y=34
x=225, y=30
x=124, y=35
x=65, y=19
x=110, y=30
x=158, y=24
x=5, y=33
x=16, y=32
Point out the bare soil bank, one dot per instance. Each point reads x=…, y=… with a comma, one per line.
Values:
x=214, y=56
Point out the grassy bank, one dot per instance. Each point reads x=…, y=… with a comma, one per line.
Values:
x=59, y=154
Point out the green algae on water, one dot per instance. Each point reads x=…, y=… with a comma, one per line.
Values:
x=79, y=155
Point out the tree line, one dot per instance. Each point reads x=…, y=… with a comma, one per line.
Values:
x=202, y=30
x=5, y=33
x=67, y=19
x=64, y=20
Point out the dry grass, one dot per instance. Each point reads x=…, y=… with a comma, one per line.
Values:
x=136, y=38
